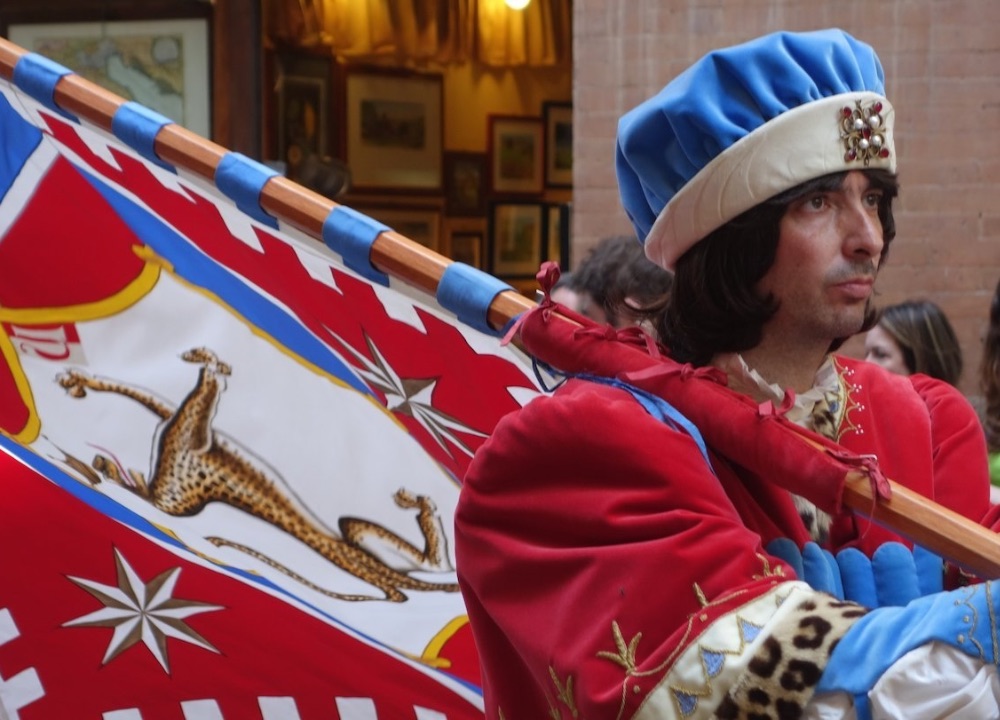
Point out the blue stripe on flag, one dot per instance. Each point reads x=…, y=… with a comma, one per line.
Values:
x=19, y=140
x=188, y=262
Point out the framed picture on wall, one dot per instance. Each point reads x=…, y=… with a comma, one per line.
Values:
x=394, y=130
x=515, y=148
x=516, y=230
x=527, y=286
x=422, y=225
x=162, y=64
x=558, y=143
x=466, y=246
x=557, y=234
x=304, y=126
x=465, y=183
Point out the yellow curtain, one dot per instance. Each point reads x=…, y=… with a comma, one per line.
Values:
x=539, y=35
x=421, y=31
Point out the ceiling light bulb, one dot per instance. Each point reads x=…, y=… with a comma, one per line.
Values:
x=517, y=4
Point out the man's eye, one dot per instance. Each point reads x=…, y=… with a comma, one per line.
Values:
x=816, y=202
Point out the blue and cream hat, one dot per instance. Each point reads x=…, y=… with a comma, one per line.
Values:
x=744, y=124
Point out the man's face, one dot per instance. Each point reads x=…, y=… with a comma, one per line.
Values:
x=827, y=258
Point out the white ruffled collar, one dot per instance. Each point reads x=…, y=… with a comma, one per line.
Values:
x=826, y=382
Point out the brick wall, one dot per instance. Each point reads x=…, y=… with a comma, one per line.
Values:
x=942, y=64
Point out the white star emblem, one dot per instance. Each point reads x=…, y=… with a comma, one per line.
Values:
x=410, y=396
x=142, y=612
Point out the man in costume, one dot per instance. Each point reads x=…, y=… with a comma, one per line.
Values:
x=664, y=536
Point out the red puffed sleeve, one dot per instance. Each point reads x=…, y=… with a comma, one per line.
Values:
x=593, y=543
x=958, y=446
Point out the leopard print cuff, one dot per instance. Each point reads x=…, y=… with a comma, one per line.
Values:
x=782, y=676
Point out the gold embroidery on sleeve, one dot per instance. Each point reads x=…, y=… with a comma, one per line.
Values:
x=972, y=619
x=779, y=571
x=993, y=622
x=843, y=422
x=625, y=655
x=565, y=694
x=702, y=600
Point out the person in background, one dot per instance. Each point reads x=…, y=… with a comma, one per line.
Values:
x=915, y=337
x=566, y=293
x=614, y=284
x=618, y=282
x=665, y=534
x=989, y=380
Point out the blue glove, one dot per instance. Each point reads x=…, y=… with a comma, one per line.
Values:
x=965, y=619
x=893, y=576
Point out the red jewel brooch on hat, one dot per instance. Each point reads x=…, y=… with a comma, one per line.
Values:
x=861, y=128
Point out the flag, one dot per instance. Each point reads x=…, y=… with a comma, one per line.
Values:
x=231, y=447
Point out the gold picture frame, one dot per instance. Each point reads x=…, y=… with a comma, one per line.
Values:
x=169, y=55
x=516, y=232
x=420, y=224
x=558, y=144
x=515, y=150
x=394, y=130
x=466, y=246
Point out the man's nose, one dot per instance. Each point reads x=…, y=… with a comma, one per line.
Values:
x=863, y=231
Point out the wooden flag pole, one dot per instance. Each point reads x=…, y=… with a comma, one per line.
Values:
x=907, y=513
x=943, y=531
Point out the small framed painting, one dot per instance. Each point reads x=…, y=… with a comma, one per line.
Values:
x=516, y=232
x=558, y=144
x=557, y=233
x=467, y=247
x=422, y=225
x=465, y=183
x=516, y=145
x=395, y=130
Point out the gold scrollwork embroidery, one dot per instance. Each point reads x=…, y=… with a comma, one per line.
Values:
x=993, y=623
x=712, y=659
x=848, y=404
x=974, y=620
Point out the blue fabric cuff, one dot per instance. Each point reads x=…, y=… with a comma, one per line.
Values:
x=965, y=619
x=350, y=234
x=241, y=180
x=137, y=126
x=468, y=292
x=38, y=76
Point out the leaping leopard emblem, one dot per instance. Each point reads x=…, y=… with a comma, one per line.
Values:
x=194, y=465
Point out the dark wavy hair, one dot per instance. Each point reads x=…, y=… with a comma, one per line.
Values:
x=617, y=275
x=713, y=306
x=989, y=375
